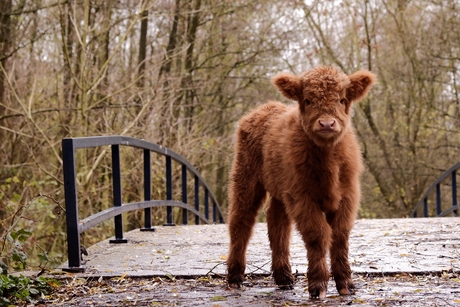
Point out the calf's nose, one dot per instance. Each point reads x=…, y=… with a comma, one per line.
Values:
x=327, y=124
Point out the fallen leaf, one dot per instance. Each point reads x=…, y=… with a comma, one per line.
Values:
x=266, y=293
x=333, y=296
x=359, y=301
x=218, y=298
x=121, y=278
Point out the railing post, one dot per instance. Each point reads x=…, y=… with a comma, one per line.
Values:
x=197, y=199
x=206, y=204
x=71, y=202
x=184, y=194
x=147, y=191
x=117, y=199
x=214, y=212
x=169, y=211
x=454, y=191
x=425, y=207
x=438, y=199
x=221, y=219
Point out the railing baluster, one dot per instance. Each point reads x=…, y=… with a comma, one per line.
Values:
x=71, y=205
x=184, y=194
x=438, y=199
x=221, y=218
x=117, y=198
x=197, y=199
x=147, y=191
x=206, y=204
x=454, y=191
x=147, y=188
x=169, y=210
x=425, y=207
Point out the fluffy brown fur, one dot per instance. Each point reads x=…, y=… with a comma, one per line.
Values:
x=306, y=160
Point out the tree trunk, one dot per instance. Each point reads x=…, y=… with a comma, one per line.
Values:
x=165, y=70
x=66, y=105
x=5, y=42
x=142, y=44
x=102, y=54
x=166, y=66
x=192, y=27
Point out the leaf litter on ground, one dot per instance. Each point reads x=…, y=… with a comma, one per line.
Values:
x=389, y=290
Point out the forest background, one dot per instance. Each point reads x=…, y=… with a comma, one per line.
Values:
x=180, y=73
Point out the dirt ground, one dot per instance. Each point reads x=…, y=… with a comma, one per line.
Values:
x=394, y=290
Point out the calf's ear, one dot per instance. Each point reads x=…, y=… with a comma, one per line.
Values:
x=360, y=85
x=289, y=85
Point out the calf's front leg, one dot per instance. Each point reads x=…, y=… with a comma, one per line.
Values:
x=341, y=223
x=316, y=233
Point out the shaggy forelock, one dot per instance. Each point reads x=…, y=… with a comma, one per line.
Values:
x=325, y=82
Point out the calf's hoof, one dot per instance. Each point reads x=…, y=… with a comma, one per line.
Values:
x=235, y=273
x=235, y=279
x=317, y=293
x=348, y=288
x=284, y=280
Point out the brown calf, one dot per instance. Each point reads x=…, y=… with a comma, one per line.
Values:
x=305, y=159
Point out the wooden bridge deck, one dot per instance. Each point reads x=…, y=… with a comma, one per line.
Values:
x=394, y=248
x=390, y=246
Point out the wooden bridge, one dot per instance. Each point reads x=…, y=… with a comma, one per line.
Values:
x=410, y=262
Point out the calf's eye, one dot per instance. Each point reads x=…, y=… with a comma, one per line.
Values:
x=307, y=102
x=343, y=100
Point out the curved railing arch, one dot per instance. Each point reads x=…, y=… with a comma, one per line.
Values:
x=452, y=173
x=75, y=226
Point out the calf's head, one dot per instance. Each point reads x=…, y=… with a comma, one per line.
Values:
x=325, y=95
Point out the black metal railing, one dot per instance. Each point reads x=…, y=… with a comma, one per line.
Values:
x=423, y=202
x=75, y=226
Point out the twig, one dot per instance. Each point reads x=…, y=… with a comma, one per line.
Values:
x=260, y=268
x=211, y=270
x=52, y=198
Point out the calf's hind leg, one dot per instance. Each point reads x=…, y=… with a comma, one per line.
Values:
x=245, y=202
x=279, y=232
